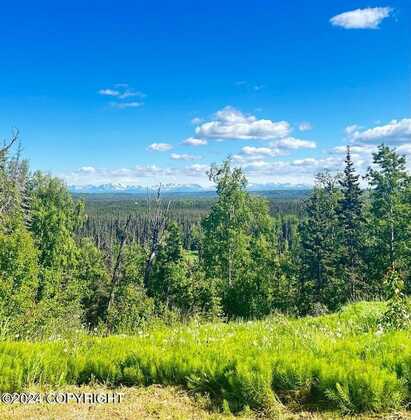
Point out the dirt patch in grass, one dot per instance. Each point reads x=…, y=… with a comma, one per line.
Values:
x=154, y=402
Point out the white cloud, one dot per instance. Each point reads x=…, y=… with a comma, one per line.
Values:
x=109, y=92
x=355, y=149
x=191, y=141
x=184, y=156
x=369, y=18
x=305, y=126
x=122, y=92
x=230, y=123
x=87, y=169
x=364, y=141
x=242, y=159
x=395, y=132
x=294, y=144
x=130, y=94
x=125, y=105
x=351, y=129
x=276, y=148
x=261, y=151
x=196, y=170
x=405, y=149
x=196, y=120
x=160, y=147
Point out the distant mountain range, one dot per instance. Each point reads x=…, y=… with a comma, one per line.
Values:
x=173, y=188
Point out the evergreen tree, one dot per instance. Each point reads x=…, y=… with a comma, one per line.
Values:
x=390, y=214
x=93, y=283
x=351, y=219
x=321, y=286
x=167, y=278
x=132, y=307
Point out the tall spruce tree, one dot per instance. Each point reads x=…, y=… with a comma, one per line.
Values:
x=321, y=287
x=390, y=214
x=351, y=219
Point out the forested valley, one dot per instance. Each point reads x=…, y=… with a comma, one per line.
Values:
x=142, y=267
x=233, y=256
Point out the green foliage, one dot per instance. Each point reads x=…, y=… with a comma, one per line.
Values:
x=336, y=361
x=18, y=272
x=351, y=221
x=320, y=249
x=54, y=219
x=132, y=307
x=390, y=214
x=239, y=248
x=132, y=310
x=398, y=314
x=241, y=263
x=92, y=278
x=178, y=283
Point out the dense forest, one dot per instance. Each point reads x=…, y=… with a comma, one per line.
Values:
x=107, y=214
x=235, y=255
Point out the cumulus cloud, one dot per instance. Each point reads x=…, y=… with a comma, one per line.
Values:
x=191, y=141
x=395, y=132
x=351, y=129
x=261, y=151
x=294, y=144
x=196, y=120
x=364, y=141
x=160, y=147
x=276, y=148
x=230, y=123
x=368, y=18
x=87, y=169
x=196, y=169
x=405, y=149
x=184, y=156
x=355, y=149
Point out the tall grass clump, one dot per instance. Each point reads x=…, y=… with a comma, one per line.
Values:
x=340, y=361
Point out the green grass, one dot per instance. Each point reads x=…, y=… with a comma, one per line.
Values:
x=338, y=361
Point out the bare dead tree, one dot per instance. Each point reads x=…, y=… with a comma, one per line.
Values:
x=158, y=215
x=115, y=275
x=7, y=183
x=8, y=144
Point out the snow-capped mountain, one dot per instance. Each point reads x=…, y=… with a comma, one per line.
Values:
x=276, y=187
x=136, y=189
x=174, y=188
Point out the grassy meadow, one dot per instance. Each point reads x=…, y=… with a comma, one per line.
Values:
x=342, y=362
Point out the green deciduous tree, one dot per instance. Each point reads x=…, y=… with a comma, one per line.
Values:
x=18, y=272
x=54, y=220
x=239, y=246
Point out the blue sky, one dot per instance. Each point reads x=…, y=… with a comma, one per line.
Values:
x=110, y=91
